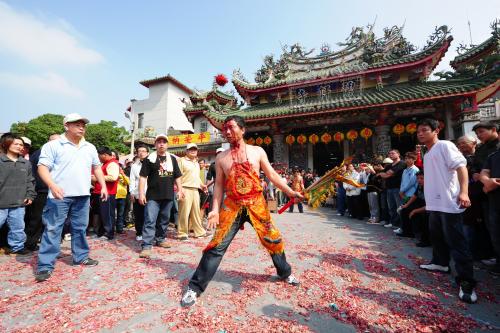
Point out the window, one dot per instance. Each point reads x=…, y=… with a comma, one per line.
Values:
x=140, y=120
x=203, y=126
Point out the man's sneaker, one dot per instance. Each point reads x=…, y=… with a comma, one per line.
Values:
x=435, y=268
x=138, y=238
x=292, y=280
x=467, y=293
x=145, y=253
x=388, y=225
x=164, y=245
x=489, y=262
x=183, y=238
x=398, y=231
x=22, y=252
x=189, y=298
x=42, y=275
x=103, y=238
x=86, y=262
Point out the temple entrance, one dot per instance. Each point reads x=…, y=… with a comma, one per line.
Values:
x=404, y=143
x=327, y=156
x=298, y=156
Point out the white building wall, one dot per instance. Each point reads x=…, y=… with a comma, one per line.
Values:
x=162, y=109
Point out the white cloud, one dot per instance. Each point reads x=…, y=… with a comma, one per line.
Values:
x=42, y=43
x=46, y=83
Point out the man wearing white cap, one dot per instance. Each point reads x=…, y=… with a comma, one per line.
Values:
x=65, y=165
x=189, y=208
x=160, y=171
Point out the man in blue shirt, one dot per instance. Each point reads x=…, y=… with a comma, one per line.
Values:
x=65, y=166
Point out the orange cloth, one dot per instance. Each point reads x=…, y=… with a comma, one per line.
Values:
x=243, y=191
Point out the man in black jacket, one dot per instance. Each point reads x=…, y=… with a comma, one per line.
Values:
x=33, y=217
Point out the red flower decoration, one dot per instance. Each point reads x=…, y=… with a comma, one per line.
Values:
x=221, y=80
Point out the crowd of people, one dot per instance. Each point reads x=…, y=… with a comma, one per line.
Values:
x=444, y=195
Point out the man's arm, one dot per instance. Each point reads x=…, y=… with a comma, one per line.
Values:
x=113, y=172
x=274, y=177
x=30, y=188
x=489, y=183
x=463, y=180
x=100, y=178
x=44, y=173
x=410, y=201
x=386, y=175
x=142, y=196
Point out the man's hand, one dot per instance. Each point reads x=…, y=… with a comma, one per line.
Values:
x=204, y=188
x=132, y=199
x=104, y=194
x=491, y=184
x=180, y=195
x=296, y=195
x=93, y=179
x=475, y=176
x=27, y=202
x=463, y=200
x=213, y=220
x=413, y=212
x=142, y=199
x=57, y=192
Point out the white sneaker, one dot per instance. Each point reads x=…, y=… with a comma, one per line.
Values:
x=398, y=231
x=292, y=280
x=138, y=238
x=388, y=225
x=467, y=293
x=103, y=238
x=67, y=237
x=489, y=262
x=435, y=268
x=189, y=298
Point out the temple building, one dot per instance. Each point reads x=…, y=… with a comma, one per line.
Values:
x=312, y=109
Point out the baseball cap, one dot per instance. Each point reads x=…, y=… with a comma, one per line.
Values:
x=161, y=136
x=485, y=124
x=387, y=160
x=219, y=150
x=191, y=145
x=26, y=140
x=72, y=117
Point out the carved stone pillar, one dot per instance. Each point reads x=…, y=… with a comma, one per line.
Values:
x=383, y=139
x=279, y=149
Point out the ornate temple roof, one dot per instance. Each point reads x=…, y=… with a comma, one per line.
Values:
x=392, y=95
x=474, y=52
x=363, y=53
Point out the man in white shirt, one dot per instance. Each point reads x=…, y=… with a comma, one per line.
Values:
x=142, y=153
x=446, y=197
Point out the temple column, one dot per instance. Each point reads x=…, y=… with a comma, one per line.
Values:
x=383, y=139
x=279, y=155
x=310, y=156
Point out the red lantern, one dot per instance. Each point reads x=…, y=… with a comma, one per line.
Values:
x=221, y=80
x=259, y=141
x=326, y=138
x=290, y=139
x=366, y=133
x=313, y=138
x=267, y=140
x=398, y=129
x=338, y=137
x=302, y=139
x=251, y=141
x=411, y=128
x=352, y=135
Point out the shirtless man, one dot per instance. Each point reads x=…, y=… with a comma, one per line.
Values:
x=237, y=171
x=297, y=185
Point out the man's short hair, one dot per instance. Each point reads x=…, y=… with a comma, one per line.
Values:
x=432, y=123
x=142, y=146
x=420, y=173
x=396, y=151
x=237, y=119
x=104, y=151
x=485, y=124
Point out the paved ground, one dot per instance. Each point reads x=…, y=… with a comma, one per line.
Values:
x=355, y=277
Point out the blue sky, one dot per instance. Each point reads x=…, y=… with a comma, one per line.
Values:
x=89, y=56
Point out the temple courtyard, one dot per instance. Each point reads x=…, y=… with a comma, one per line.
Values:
x=354, y=277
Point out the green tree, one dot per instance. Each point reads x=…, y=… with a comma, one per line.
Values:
x=40, y=128
x=106, y=133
